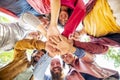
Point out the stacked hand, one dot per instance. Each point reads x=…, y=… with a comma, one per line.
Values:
x=75, y=36
x=58, y=44
x=61, y=45
x=51, y=50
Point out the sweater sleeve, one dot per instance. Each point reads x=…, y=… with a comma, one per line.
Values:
x=20, y=59
x=91, y=47
x=22, y=45
x=75, y=18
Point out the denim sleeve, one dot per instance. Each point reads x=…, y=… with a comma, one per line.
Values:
x=79, y=52
x=41, y=66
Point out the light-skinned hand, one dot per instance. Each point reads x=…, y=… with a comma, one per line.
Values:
x=51, y=50
x=62, y=44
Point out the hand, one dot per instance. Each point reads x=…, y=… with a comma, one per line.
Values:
x=51, y=50
x=75, y=36
x=44, y=21
x=34, y=35
x=89, y=58
x=62, y=44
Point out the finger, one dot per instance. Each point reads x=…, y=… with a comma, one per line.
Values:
x=57, y=52
x=52, y=44
x=70, y=36
x=55, y=39
x=62, y=38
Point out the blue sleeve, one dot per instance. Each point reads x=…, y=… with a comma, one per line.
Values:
x=79, y=52
x=41, y=66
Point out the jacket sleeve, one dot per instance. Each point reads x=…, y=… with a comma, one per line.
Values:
x=75, y=18
x=74, y=75
x=91, y=47
x=20, y=59
x=22, y=45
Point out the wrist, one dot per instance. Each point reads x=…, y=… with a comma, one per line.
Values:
x=72, y=50
x=53, y=23
x=79, y=53
x=42, y=29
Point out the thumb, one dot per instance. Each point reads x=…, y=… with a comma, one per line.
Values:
x=70, y=36
x=62, y=38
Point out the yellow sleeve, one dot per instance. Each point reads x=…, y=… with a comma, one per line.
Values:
x=22, y=45
x=101, y=21
x=20, y=62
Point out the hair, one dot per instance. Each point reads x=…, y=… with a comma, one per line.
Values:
x=43, y=50
x=57, y=76
x=36, y=51
x=33, y=62
x=69, y=11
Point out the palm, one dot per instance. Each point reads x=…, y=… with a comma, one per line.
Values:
x=51, y=50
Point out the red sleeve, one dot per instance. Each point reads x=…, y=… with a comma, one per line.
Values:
x=75, y=18
x=41, y=6
x=91, y=47
x=6, y=11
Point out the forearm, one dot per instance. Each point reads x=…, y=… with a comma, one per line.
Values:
x=76, y=17
x=90, y=47
x=55, y=8
x=42, y=30
x=29, y=44
x=22, y=45
x=16, y=67
x=31, y=20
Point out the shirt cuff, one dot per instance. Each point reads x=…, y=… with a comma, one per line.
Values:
x=79, y=53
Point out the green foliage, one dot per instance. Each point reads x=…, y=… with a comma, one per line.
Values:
x=6, y=57
x=114, y=54
x=3, y=19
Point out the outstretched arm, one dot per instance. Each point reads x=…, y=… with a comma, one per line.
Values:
x=22, y=45
x=91, y=47
x=20, y=62
x=31, y=20
x=55, y=8
x=75, y=18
